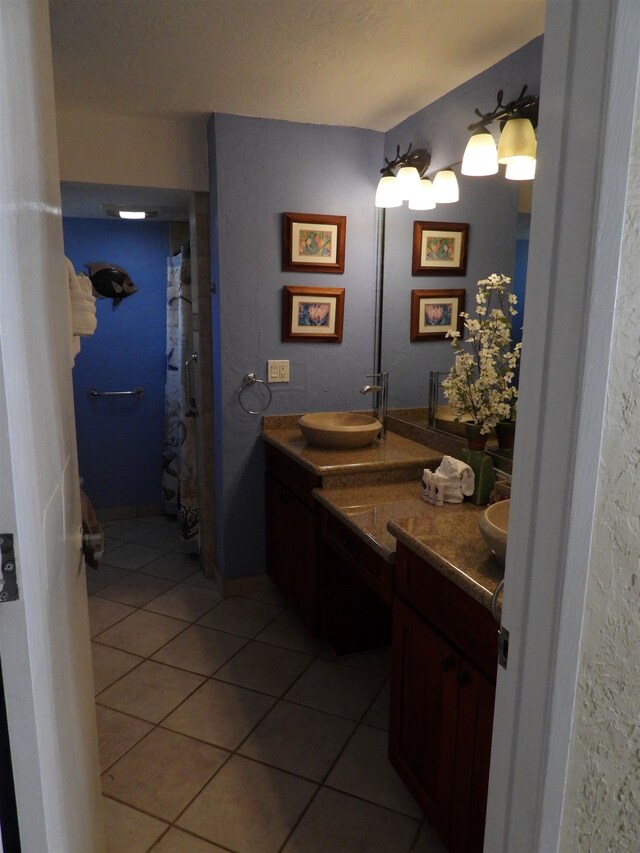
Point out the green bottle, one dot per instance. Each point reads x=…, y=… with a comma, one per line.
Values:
x=482, y=466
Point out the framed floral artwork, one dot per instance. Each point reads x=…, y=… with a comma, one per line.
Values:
x=312, y=314
x=440, y=248
x=436, y=312
x=313, y=242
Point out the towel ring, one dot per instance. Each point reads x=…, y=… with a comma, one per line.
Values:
x=247, y=381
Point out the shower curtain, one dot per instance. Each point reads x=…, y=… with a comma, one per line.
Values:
x=180, y=475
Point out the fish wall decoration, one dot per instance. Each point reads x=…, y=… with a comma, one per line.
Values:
x=110, y=281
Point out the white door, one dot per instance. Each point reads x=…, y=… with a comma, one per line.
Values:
x=44, y=637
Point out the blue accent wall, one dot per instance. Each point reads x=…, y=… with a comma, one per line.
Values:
x=259, y=169
x=120, y=441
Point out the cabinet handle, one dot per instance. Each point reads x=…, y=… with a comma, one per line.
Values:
x=463, y=678
x=446, y=665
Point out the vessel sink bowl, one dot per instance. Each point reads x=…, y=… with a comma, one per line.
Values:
x=494, y=525
x=339, y=430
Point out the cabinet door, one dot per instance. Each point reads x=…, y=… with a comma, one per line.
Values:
x=292, y=544
x=424, y=698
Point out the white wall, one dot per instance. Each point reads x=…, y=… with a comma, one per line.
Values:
x=601, y=805
x=142, y=151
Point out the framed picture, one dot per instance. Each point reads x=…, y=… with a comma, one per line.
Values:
x=440, y=248
x=312, y=314
x=313, y=242
x=436, y=312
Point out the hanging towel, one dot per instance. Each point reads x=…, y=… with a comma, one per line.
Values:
x=83, y=308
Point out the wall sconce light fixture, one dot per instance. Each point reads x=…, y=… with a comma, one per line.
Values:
x=404, y=179
x=517, y=146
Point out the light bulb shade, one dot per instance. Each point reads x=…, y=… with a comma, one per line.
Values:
x=521, y=169
x=423, y=198
x=480, y=155
x=408, y=179
x=518, y=139
x=387, y=194
x=445, y=187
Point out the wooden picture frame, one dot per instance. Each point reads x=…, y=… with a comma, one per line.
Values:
x=313, y=242
x=436, y=312
x=313, y=314
x=440, y=248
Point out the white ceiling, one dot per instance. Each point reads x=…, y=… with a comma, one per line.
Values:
x=360, y=63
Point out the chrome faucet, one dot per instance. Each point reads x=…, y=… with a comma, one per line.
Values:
x=382, y=390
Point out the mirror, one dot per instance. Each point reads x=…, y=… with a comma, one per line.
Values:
x=498, y=213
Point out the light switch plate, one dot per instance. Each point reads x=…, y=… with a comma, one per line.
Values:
x=278, y=370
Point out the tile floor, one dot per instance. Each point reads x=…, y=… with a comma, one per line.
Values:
x=223, y=725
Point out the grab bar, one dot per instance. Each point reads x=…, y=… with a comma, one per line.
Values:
x=92, y=394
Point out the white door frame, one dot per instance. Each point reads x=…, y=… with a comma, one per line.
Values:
x=44, y=636
x=590, y=68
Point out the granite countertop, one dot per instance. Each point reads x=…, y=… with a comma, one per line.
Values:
x=447, y=537
x=395, y=453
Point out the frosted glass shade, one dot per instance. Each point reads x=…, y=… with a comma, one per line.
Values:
x=445, y=187
x=387, y=194
x=480, y=155
x=423, y=198
x=521, y=169
x=518, y=139
x=408, y=179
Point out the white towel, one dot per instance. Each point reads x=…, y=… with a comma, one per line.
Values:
x=459, y=479
x=83, y=308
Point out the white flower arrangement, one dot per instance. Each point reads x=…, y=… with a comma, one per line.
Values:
x=480, y=383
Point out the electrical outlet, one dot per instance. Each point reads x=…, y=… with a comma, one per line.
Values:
x=278, y=370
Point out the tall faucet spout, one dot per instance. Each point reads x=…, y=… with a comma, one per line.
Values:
x=382, y=390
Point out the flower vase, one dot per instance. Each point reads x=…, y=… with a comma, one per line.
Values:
x=506, y=433
x=475, y=439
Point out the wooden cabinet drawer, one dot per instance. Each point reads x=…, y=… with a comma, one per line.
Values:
x=454, y=612
x=298, y=479
x=362, y=559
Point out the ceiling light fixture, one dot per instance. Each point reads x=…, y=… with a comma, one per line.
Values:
x=517, y=146
x=129, y=213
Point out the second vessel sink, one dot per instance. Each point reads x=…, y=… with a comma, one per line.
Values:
x=339, y=430
x=494, y=526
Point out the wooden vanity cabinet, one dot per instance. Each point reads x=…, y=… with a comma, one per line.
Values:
x=444, y=652
x=293, y=534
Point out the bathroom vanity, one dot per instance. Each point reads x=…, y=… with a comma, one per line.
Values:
x=355, y=551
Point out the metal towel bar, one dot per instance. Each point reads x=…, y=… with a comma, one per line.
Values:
x=92, y=394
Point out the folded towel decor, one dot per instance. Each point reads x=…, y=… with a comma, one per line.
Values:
x=83, y=308
x=92, y=533
x=450, y=483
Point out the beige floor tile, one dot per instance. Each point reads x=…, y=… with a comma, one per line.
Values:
x=364, y=770
x=376, y=660
x=168, y=538
x=136, y=589
x=428, y=841
x=151, y=691
x=163, y=773
x=219, y=713
x=177, y=841
x=132, y=556
x=110, y=664
x=128, y=830
x=105, y=575
x=299, y=740
x=103, y=614
x=117, y=733
x=336, y=689
x=378, y=713
x=248, y=807
x=129, y=529
x=201, y=650
x=242, y=616
x=200, y=579
x=172, y=567
x=185, y=602
x=142, y=632
x=337, y=822
x=288, y=630
x=269, y=669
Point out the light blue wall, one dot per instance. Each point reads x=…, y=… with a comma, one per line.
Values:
x=489, y=205
x=120, y=440
x=260, y=169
